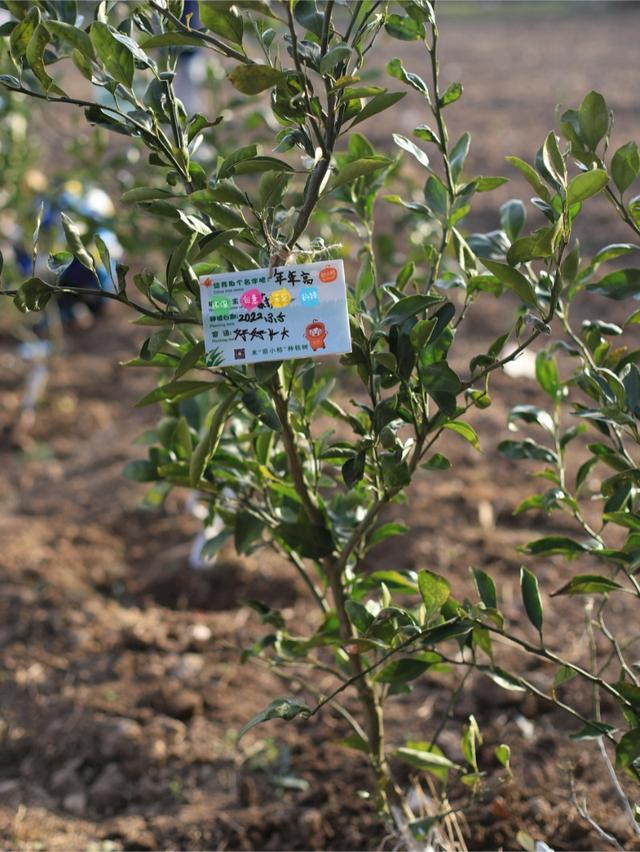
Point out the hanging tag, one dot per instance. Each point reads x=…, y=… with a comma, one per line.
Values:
x=296, y=311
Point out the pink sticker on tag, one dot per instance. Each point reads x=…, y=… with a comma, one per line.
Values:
x=251, y=298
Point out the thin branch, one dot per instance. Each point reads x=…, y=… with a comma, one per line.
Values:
x=303, y=77
x=581, y=807
x=554, y=658
x=626, y=805
x=65, y=99
x=215, y=43
x=116, y=297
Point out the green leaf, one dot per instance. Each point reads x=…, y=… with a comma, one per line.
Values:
x=377, y=105
x=503, y=754
x=59, y=261
x=359, y=615
x=114, y=56
x=622, y=284
x=260, y=164
x=403, y=27
x=310, y=541
x=555, y=544
x=145, y=193
x=421, y=332
x=73, y=36
x=465, y=431
x=486, y=588
x=628, y=749
x=423, y=131
x=355, y=742
x=353, y=469
x=387, y=531
x=553, y=160
x=611, y=252
x=531, y=597
x=307, y=14
x=85, y=68
x=593, y=117
x=585, y=185
x=471, y=738
x=134, y=49
x=547, y=374
x=140, y=471
x=248, y=530
x=629, y=692
x=225, y=192
x=536, y=245
x=449, y=630
x=527, y=449
x=437, y=197
x=423, y=759
x=451, y=94
x=258, y=402
x=439, y=379
x=396, y=473
x=226, y=169
x=532, y=414
x=396, y=69
x=105, y=259
x=35, y=57
x=412, y=148
x=213, y=545
x=280, y=708
x=591, y=731
x=408, y=307
x=208, y=444
x=392, y=579
x=357, y=168
x=253, y=79
x=625, y=165
x=178, y=257
x=512, y=218
x=76, y=246
x=365, y=280
x=172, y=39
x=437, y=462
x=402, y=671
x=489, y=183
x=588, y=584
x=338, y=53
x=175, y=391
x=273, y=185
x=32, y=295
x=458, y=155
x=503, y=678
x=563, y=674
x=513, y=279
x=629, y=520
x=21, y=34
x=435, y=592
x=530, y=174
x=221, y=20
x=570, y=264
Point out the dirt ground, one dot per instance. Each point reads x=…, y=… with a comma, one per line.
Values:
x=120, y=685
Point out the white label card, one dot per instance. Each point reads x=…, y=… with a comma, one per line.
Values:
x=297, y=311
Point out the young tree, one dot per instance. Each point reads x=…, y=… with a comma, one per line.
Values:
x=250, y=439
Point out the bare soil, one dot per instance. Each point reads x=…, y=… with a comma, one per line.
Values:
x=121, y=689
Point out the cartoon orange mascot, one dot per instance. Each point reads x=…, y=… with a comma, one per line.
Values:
x=316, y=333
x=328, y=274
